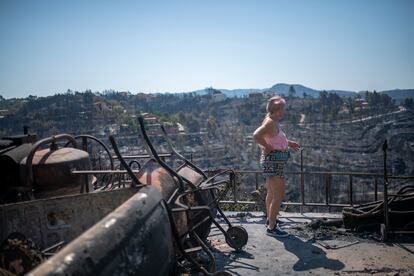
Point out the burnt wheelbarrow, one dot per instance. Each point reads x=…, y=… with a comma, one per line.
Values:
x=204, y=190
x=187, y=239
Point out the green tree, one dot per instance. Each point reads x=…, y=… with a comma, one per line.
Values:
x=211, y=126
x=408, y=103
x=351, y=107
x=292, y=92
x=323, y=103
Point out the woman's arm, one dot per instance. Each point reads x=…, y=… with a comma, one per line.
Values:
x=294, y=145
x=259, y=136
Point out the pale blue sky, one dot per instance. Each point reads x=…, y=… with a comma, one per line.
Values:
x=47, y=47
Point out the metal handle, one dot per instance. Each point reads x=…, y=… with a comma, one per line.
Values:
x=135, y=181
x=154, y=153
x=168, y=140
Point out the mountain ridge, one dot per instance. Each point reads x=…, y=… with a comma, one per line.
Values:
x=280, y=88
x=301, y=90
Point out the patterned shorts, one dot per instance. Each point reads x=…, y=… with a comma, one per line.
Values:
x=273, y=163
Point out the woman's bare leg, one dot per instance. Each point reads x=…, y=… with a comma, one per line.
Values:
x=277, y=186
x=269, y=196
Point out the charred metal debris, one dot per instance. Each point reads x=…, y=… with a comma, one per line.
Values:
x=153, y=216
x=161, y=229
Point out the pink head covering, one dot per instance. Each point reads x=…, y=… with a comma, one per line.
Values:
x=275, y=103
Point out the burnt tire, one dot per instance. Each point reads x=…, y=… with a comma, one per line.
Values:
x=238, y=237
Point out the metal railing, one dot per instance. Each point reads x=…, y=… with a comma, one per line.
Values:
x=386, y=226
x=327, y=180
x=302, y=202
x=328, y=183
x=328, y=186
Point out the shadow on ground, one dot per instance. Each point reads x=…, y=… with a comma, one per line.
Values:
x=234, y=262
x=309, y=255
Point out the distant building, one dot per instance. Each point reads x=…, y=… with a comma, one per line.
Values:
x=124, y=128
x=270, y=93
x=150, y=118
x=218, y=96
x=180, y=128
x=124, y=93
x=112, y=129
x=141, y=95
x=213, y=95
x=3, y=113
x=361, y=103
x=103, y=106
x=256, y=96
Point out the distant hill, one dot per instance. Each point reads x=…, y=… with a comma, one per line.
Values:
x=230, y=92
x=283, y=89
x=400, y=94
x=240, y=92
x=343, y=93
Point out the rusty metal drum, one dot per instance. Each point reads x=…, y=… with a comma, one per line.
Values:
x=48, y=171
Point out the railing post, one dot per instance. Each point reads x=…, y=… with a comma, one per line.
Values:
x=386, y=218
x=376, y=188
x=257, y=180
x=302, y=181
x=351, y=191
x=234, y=187
x=327, y=187
x=86, y=177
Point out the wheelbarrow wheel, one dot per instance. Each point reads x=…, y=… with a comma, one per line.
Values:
x=238, y=236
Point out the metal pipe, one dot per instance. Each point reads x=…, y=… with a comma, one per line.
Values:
x=329, y=172
x=257, y=180
x=327, y=188
x=401, y=232
x=142, y=156
x=134, y=178
x=287, y=203
x=351, y=191
x=302, y=180
x=400, y=177
x=398, y=195
x=102, y=172
x=234, y=187
x=386, y=221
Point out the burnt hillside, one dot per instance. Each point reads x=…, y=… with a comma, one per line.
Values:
x=336, y=133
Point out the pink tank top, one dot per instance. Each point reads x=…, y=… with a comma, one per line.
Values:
x=279, y=141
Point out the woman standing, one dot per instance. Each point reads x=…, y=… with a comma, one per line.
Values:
x=274, y=145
